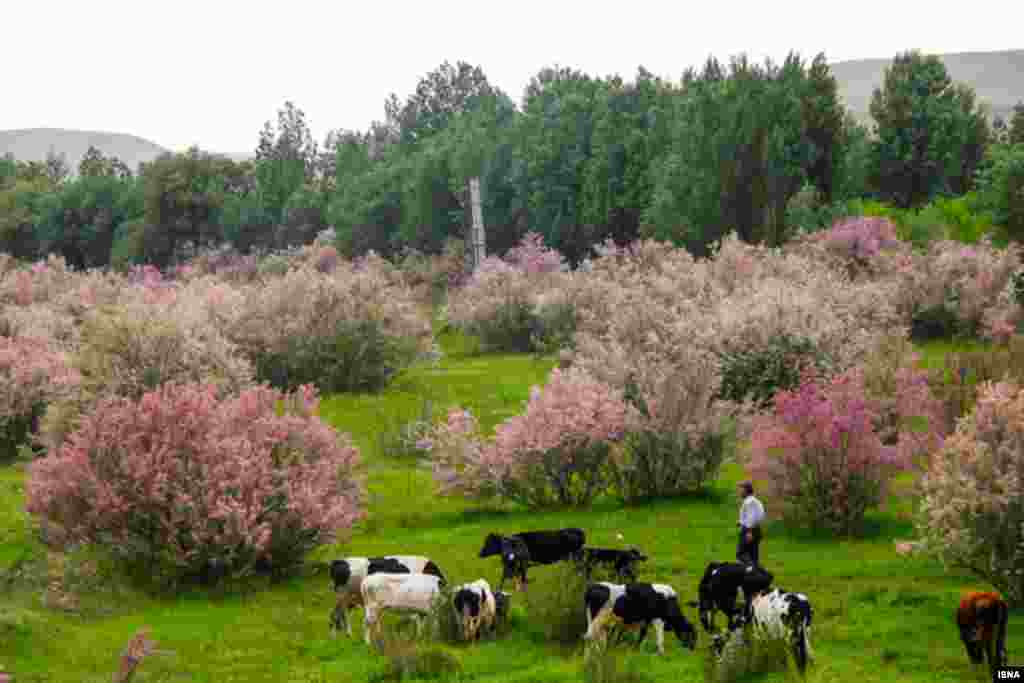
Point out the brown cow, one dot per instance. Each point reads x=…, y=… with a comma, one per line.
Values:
x=982, y=620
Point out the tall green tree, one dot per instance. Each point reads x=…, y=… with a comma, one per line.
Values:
x=930, y=133
x=95, y=164
x=286, y=158
x=442, y=93
x=1016, y=132
x=184, y=200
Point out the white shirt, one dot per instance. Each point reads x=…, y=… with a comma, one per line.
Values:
x=751, y=513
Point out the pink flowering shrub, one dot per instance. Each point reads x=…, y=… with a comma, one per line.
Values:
x=910, y=416
x=972, y=510
x=32, y=374
x=820, y=455
x=531, y=256
x=189, y=481
x=857, y=241
x=554, y=454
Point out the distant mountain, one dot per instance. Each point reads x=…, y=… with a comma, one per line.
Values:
x=997, y=79
x=33, y=144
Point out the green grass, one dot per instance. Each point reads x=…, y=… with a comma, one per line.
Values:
x=878, y=616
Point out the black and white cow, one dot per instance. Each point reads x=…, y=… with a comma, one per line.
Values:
x=348, y=574
x=478, y=608
x=784, y=615
x=520, y=551
x=620, y=561
x=719, y=588
x=636, y=606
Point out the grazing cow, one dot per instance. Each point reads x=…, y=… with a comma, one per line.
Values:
x=636, y=606
x=521, y=550
x=718, y=591
x=414, y=593
x=477, y=608
x=781, y=614
x=348, y=574
x=620, y=561
x=982, y=620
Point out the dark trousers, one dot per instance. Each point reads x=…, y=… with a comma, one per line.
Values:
x=747, y=552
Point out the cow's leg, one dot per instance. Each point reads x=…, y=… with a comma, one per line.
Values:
x=369, y=620
x=799, y=647
x=659, y=634
x=1000, y=637
x=643, y=633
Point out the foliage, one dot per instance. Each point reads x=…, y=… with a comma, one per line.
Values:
x=963, y=374
x=931, y=136
x=652, y=464
x=820, y=455
x=194, y=484
x=1001, y=188
x=759, y=374
x=972, y=512
x=743, y=144
x=302, y=314
x=355, y=356
x=554, y=602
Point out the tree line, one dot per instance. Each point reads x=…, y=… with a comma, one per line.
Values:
x=579, y=160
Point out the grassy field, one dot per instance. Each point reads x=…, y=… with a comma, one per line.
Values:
x=878, y=616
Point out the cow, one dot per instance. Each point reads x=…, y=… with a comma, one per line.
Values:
x=718, y=590
x=347, y=575
x=620, y=561
x=982, y=620
x=414, y=593
x=521, y=550
x=476, y=607
x=636, y=606
x=784, y=615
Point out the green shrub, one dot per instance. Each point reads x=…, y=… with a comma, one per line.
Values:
x=359, y=356
x=934, y=322
x=663, y=464
x=747, y=652
x=554, y=328
x=510, y=329
x=554, y=602
x=409, y=659
x=604, y=664
x=1001, y=189
x=759, y=374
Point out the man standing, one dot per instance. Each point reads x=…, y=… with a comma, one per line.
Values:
x=751, y=516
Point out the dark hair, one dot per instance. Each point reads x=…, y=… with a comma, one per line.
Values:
x=748, y=487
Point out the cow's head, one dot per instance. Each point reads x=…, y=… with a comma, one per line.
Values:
x=492, y=545
x=681, y=626
x=341, y=572
x=468, y=606
x=705, y=604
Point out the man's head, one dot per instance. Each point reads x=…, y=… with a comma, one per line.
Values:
x=744, y=489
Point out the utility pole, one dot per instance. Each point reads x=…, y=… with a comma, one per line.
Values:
x=477, y=237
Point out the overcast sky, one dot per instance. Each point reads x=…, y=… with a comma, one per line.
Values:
x=184, y=72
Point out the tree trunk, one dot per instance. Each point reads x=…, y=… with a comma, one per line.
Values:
x=477, y=237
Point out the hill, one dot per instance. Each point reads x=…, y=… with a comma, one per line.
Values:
x=995, y=77
x=33, y=144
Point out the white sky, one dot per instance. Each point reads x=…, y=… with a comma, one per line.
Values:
x=210, y=73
